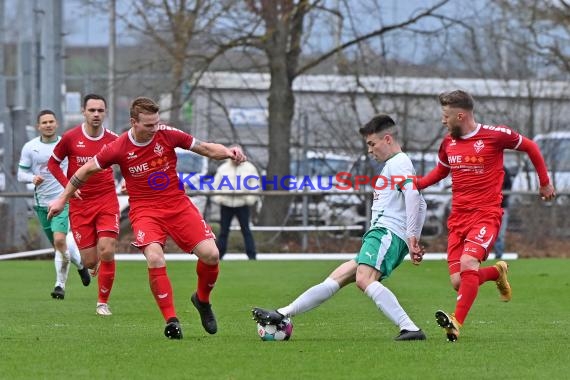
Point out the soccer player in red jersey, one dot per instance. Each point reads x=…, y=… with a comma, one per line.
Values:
x=473, y=154
x=159, y=205
x=94, y=211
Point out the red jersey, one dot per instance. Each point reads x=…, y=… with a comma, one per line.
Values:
x=149, y=168
x=79, y=147
x=476, y=165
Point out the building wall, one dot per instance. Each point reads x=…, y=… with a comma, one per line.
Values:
x=330, y=109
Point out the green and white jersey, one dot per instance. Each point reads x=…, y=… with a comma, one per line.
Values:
x=397, y=205
x=33, y=161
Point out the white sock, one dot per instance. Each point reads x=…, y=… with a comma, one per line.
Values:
x=311, y=298
x=61, y=262
x=73, y=251
x=387, y=302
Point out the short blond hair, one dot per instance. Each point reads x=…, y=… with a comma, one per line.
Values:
x=457, y=99
x=143, y=105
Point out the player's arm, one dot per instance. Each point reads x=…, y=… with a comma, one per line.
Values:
x=434, y=176
x=415, y=217
x=55, y=169
x=27, y=176
x=25, y=173
x=531, y=149
x=218, y=151
x=75, y=182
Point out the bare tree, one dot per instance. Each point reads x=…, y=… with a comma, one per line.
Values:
x=547, y=23
x=181, y=30
x=281, y=39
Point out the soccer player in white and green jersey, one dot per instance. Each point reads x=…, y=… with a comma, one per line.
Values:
x=33, y=169
x=398, y=214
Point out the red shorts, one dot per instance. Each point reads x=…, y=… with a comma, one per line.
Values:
x=92, y=219
x=182, y=222
x=468, y=232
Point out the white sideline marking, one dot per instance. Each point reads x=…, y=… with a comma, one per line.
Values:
x=286, y=256
x=243, y=256
x=300, y=228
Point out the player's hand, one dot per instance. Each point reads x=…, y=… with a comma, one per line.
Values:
x=237, y=155
x=124, y=187
x=417, y=251
x=37, y=180
x=547, y=192
x=77, y=194
x=55, y=207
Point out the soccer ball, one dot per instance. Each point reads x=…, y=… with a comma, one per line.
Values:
x=281, y=331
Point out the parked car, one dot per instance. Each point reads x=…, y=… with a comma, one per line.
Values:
x=334, y=208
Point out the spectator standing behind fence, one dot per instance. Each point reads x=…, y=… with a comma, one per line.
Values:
x=33, y=169
x=499, y=246
x=243, y=181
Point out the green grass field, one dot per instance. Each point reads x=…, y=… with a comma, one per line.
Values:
x=346, y=338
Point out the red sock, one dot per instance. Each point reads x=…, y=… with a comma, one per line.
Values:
x=105, y=279
x=466, y=295
x=207, y=276
x=162, y=291
x=488, y=274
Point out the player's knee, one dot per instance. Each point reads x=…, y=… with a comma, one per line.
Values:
x=207, y=251
x=107, y=254
x=155, y=259
x=469, y=260
x=362, y=283
x=211, y=256
x=107, y=251
x=365, y=276
x=59, y=244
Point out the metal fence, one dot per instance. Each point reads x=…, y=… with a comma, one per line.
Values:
x=318, y=221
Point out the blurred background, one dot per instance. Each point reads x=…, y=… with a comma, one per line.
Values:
x=291, y=81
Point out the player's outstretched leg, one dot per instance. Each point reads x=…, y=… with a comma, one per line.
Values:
x=502, y=282
x=266, y=316
x=449, y=323
x=172, y=330
x=206, y=314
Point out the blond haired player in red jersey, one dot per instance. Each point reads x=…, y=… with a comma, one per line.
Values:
x=473, y=154
x=94, y=211
x=159, y=205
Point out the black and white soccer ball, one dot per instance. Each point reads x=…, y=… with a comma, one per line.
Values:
x=281, y=331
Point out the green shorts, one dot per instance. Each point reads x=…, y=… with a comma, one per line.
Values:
x=59, y=223
x=382, y=250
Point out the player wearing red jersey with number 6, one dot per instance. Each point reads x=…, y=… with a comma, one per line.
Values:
x=94, y=211
x=159, y=205
x=473, y=154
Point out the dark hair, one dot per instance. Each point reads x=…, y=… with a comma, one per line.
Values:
x=44, y=112
x=457, y=99
x=379, y=123
x=88, y=97
x=143, y=105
